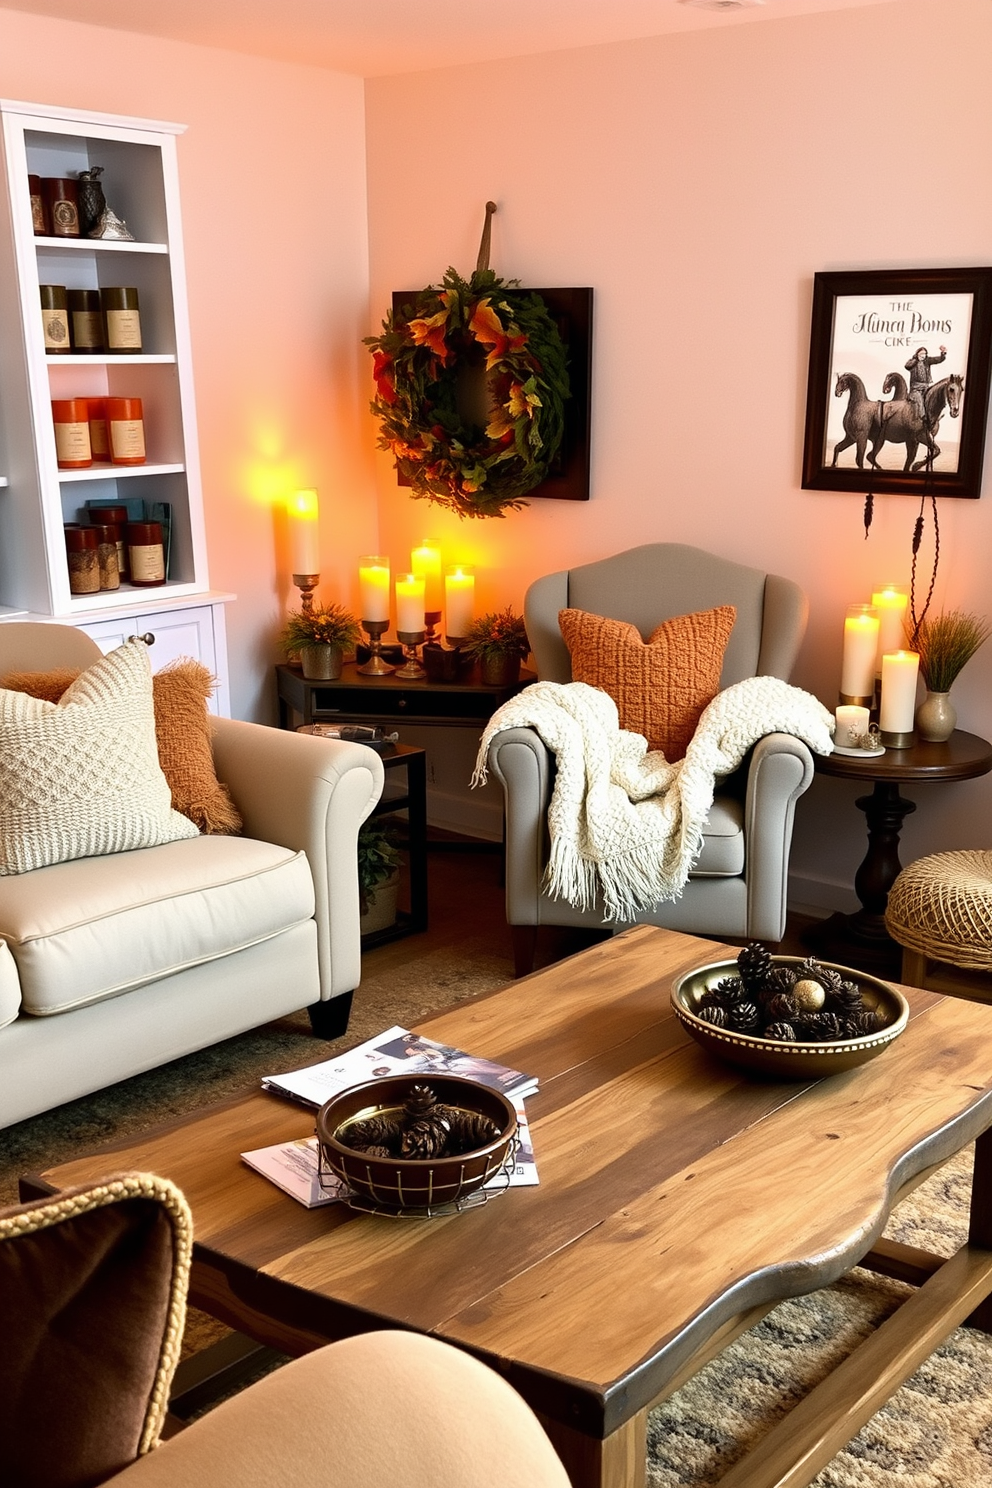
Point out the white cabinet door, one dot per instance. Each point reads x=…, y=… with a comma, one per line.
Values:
x=170, y=634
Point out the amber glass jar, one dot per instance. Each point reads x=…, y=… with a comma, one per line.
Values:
x=82, y=553
x=112, y=516
x=107, y=534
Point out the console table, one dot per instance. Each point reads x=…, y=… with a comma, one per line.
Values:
x=861, y=939
x=353, y=698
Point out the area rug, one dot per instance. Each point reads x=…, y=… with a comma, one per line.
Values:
x=936, y=1432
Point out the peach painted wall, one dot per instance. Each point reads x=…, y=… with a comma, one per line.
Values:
x=272, y=180
x=697, y=182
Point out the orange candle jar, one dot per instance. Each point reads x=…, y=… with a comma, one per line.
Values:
x=146, y=553
x=125, y=431
x=99, y=443
x=72, y=433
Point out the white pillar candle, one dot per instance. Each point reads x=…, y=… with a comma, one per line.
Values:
x=426, y=560
x=373, y=585
x=459, y=600
x=898, y=705
x=857, y=677
x=304, y=537
x=409, y=603
x=851, y=725
x=890, y=603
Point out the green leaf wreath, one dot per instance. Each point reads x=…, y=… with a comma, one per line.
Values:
x=471, y=381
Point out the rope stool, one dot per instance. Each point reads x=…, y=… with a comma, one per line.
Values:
x=940, y=908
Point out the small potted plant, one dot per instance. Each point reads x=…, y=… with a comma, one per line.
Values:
x=319, y=637
x=498, y=641
x=945, y=643
x=378, y=876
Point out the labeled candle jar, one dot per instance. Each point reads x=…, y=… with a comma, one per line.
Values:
x=107, y=535
x=117, y=518
x=72, y=433
x=145, y=553
x=85, y=320
x=38, y=219
x=55, y=319
x=61, y=198
x=83, y=557
x=125, y=431
x=122, y=319
x=99, y=442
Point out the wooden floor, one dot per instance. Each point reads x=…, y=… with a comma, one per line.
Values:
x=466, y=901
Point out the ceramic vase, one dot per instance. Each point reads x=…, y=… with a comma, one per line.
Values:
x=936, y=717
x=321, y=663
x=499, y=671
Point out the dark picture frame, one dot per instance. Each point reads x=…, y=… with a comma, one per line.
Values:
x=568, y=478
x=869, y=413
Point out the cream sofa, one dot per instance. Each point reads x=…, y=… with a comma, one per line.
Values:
x=111, y=965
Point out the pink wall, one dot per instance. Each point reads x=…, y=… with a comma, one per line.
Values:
x=272, y=179
x=697, y=182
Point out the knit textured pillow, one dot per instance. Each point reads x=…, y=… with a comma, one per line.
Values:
x=80, y=778
x=660, y=686
x=182, y=729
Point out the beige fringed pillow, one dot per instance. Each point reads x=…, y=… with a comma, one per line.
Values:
x=80, y=778
x=661, y=685
x=180, y=692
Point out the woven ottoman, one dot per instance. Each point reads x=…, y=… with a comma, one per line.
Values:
x=940, y=909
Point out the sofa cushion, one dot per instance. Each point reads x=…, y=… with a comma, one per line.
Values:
x=660, y=686
x=81, y=777
x=83, y=931
x=10, y=987
x=183, y=731
x=722, y=852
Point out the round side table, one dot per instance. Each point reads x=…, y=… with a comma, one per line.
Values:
x=861, y=939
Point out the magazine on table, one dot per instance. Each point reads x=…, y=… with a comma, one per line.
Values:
x=293, y=1167
x=395, y=1052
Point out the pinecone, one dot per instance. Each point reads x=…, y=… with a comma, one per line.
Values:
x=717, y=1017
x=744, y=1017
x=859, y=1024
x=725, y=994
x=469, y=1130
x=831, y=981
x=783, y=1032
x=847, y=998
x=810, y=968
x=425, y=1137
x=381, y=1131
x=376, y=1152
x=819, y=1028
x=781, y=1008
x=779, y=979
x=420, y=1099
x=754, y=963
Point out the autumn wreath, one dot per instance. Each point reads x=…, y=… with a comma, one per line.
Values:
x=471, y=381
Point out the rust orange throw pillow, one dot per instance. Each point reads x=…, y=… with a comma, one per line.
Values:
x=660, y=686
x=182, y=733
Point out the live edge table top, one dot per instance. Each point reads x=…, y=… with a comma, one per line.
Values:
x=676, y=1194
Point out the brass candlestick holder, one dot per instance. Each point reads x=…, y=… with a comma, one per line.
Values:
x=410, y=640
x=306, y=583
x=375, y=666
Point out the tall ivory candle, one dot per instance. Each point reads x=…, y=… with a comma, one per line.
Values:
x=304, y=538
x=890, y=603
x=426, y=560
x=898, y=706
x=410, y=604
x=373, y=585
x=857, y=677
x=459, y=600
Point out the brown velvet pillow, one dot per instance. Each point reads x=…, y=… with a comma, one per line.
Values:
x=93, y=1299
x=182, y=732
x=660, y=686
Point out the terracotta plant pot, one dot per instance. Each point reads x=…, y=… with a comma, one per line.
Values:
x=321, y=663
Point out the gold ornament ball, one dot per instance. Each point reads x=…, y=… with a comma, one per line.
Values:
x=809, y=995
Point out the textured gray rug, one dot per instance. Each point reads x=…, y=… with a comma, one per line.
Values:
x=935, y=1433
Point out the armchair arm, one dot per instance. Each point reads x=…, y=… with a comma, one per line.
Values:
x=781, y=769
x=312, y=795
x=524, y=766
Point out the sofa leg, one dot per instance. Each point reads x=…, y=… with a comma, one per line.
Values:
x=524, y=938
x=329, y=1020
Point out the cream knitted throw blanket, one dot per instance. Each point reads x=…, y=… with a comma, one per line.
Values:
x=624, y=823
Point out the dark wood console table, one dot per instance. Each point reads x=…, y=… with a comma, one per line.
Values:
x=353, y=698
x=861, y=939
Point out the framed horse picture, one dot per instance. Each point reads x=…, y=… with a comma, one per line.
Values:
x=898, y=387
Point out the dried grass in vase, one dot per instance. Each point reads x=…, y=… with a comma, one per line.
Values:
x=946, y=643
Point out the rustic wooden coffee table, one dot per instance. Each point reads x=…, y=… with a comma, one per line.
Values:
x=679, y=1200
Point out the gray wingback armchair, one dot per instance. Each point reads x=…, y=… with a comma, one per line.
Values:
x=737, y=889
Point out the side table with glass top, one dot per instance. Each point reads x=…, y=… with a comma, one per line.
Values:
x=861, y=939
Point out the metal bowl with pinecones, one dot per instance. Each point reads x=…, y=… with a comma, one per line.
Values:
x=788, y=1017
x=417, y=1142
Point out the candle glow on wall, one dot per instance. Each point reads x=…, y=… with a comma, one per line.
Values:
x=304, y=534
